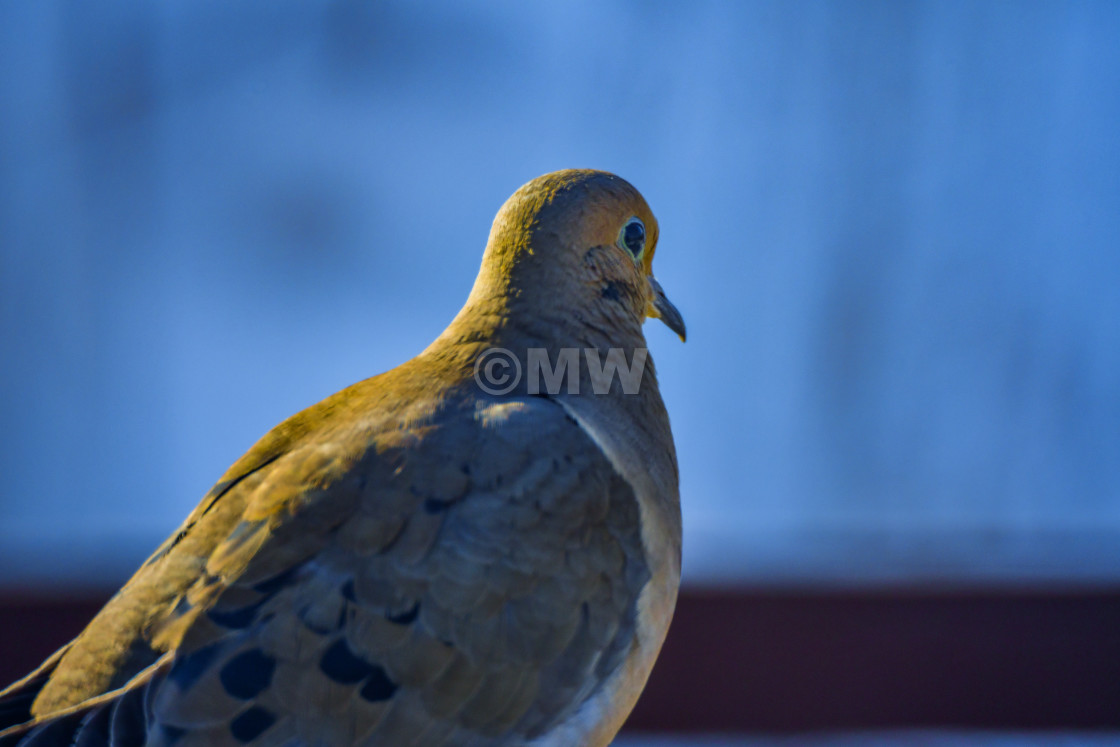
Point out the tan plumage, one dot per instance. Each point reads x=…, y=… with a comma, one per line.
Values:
x=414, y=560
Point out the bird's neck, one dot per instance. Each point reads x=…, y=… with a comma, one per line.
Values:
x=632, y=417
x=553, y=331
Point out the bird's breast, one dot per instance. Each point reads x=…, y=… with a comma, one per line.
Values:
x=599, y=718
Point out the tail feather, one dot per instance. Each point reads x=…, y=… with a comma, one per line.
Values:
x=95, y=729
x=118, y=719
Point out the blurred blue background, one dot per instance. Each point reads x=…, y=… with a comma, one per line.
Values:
x=893, y=228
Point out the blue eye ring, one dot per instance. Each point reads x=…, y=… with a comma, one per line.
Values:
x=632, y=237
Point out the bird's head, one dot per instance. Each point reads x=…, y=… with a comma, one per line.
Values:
x=580, y=243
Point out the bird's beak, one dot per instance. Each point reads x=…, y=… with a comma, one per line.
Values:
x=662, y=308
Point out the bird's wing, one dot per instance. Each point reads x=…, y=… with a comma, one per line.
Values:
x=471, y=577
x=16, y=698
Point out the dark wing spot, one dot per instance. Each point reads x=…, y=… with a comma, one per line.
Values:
x=251, y=724
x=172, y=734
x=236, y=619
x=405, y=618
x=247, y=674
x=187, y=670
x=610, y=291
x=276, y=583
x=378, y=686
x=434, y=505
x=341, y=665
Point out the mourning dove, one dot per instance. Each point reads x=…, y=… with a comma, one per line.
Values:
x=419, y=559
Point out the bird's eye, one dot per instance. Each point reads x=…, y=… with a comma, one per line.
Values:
x=632, y=237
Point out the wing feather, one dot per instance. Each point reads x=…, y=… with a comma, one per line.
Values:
x=443, y=581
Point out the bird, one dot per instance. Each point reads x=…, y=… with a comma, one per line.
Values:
x=420, y=559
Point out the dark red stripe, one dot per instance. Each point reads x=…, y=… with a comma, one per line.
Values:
x=783, y=661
